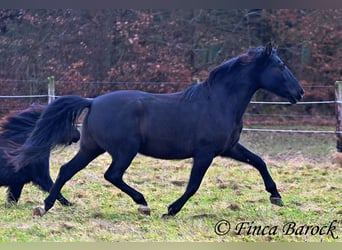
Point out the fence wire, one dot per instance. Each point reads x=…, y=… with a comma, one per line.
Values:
x=325, y=102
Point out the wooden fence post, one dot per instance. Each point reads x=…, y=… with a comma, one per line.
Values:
x=51, y=89
x=338, y=96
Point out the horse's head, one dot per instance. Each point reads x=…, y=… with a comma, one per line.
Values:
x=276, y=77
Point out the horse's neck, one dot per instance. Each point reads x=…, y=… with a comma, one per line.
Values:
x=234, y=97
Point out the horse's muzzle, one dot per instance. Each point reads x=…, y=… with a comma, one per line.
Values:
x=293, y=99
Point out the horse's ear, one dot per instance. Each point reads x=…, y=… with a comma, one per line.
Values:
x=268, y=49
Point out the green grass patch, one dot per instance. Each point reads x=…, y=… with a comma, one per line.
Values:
x=301, y=165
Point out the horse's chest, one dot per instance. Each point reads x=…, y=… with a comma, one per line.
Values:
x=226, y=137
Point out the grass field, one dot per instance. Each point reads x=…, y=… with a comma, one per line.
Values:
x=302, y=166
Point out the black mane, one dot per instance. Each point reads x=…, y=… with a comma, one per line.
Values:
x=251, y=56
x=197, y=90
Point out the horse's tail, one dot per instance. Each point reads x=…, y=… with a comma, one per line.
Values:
x=53, y=128
x=16, y=127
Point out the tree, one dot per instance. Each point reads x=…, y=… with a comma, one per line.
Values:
x=182, y=46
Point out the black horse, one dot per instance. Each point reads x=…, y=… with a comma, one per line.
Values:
x=14, y=130
x=202, y=122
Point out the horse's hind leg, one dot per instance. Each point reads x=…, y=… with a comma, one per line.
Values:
x=67, y=171
x=45, y=182
x=14, y=192
x=115, y=173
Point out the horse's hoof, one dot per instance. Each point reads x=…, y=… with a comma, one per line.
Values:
x=39, y=211
x=10, y=204
x=68, y=204
x=277, y=201
x=145, y=210
x=166, y=216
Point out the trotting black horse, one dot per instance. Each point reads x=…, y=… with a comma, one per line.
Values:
x=202, y=122
x=14, y=130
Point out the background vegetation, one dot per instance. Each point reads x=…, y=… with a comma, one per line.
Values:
x=83, y=49
x=90, y=52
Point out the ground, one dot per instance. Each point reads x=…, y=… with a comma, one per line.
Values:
x=232, y=194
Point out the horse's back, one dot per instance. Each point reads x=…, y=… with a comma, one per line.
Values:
x=112, y=118
x=115, y=105
x=124, y=102
x=159, y=123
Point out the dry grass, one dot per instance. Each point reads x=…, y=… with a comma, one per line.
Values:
x=308, y=180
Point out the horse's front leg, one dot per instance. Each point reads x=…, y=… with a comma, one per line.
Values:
x=200, y=165
x=240, y=153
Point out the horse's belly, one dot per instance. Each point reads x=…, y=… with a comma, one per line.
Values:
x=166, y=150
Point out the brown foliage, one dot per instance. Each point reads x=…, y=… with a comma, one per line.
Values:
x=178, y=46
